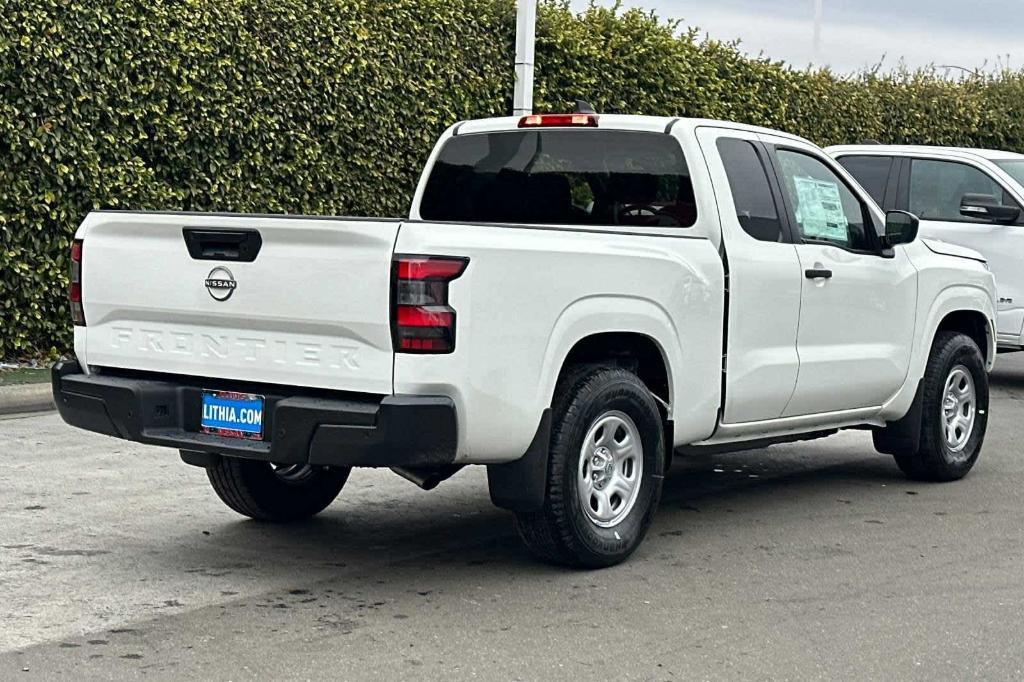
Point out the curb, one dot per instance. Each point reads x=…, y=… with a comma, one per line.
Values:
x=26, y=398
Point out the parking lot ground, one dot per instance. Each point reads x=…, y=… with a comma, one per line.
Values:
x=813, y=560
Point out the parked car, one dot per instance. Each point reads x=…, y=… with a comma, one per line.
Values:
x=572, y=299
x=971, y=197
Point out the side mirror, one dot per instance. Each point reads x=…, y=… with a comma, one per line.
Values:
x=900, y=228
x=988, y=207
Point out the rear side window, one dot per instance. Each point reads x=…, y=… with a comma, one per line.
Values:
x=751, y=192
x=872, y=172
x=562, y=177
x=1012, y=167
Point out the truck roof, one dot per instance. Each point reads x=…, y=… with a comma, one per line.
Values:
x=911, y=149
x=623, y=122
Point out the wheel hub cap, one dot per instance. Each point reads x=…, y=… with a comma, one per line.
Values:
x=610, y=469
x=959, y=409
x=603, y=467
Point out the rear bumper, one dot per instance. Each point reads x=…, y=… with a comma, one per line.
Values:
x=397, y=430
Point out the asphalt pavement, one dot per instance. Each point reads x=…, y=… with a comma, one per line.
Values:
x=809, y=561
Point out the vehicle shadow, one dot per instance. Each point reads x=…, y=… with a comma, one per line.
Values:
x=460, y=525
x=1008, y=374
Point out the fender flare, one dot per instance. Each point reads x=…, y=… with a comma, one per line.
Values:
x=520, y=485
x=588, y=317
x=952, y=299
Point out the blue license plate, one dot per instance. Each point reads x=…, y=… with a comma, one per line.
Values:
x=233, y=415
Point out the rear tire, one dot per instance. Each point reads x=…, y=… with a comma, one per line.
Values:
x=954, y=412
x=279, y=494
x=605, y=470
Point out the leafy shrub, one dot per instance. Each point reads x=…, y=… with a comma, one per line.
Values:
x=331, y=107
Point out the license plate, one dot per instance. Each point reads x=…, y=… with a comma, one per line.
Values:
x=232, y=415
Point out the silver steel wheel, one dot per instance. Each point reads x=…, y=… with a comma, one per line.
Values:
x=610, y=469
x=959, y=409
x=292, y=473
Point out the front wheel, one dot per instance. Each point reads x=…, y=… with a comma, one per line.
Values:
x=605, y=467
x=954, y=412
x=277, y=493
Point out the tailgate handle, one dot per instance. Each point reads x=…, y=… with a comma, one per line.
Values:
x=230, y=245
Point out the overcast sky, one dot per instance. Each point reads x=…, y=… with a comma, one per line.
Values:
x=858, y=33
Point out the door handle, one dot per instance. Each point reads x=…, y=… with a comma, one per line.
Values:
x=818, y=274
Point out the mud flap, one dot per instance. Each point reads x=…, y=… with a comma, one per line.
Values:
x=903, y=436
x=521, y=486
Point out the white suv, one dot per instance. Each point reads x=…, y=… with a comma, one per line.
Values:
x=970, y=197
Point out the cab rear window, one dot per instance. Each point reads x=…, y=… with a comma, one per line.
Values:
x=562, y=177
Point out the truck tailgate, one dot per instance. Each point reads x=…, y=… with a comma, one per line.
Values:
x=311, y=310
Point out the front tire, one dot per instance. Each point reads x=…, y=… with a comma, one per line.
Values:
x=279, y=494
x=954, y=412
x=605, y=469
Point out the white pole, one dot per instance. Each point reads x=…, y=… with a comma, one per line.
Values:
x=818, y=12
x=526, y=40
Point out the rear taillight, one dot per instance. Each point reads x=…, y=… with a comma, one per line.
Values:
x=423, y=322
x=558, y=121
x=75, y=286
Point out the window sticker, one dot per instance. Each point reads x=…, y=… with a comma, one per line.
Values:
x=820, y=210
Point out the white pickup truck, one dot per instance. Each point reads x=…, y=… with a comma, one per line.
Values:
x=970, y=197
x=572, y=299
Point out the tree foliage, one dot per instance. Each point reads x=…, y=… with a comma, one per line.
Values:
x=331, y=107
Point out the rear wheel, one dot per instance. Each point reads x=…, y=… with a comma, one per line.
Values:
x=954, y=412
x=271, y=492
x=605, y=468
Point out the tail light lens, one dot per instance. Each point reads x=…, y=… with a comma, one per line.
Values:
x=423, y=322
x=75, y=286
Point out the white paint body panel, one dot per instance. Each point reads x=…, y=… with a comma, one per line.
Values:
x=762, y=363
x=945, y=285
x=314, y=310
x=859, y=325
x=530, y=295
x=1001, y=245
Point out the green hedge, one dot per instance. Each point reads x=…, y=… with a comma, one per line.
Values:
x=331, y=106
